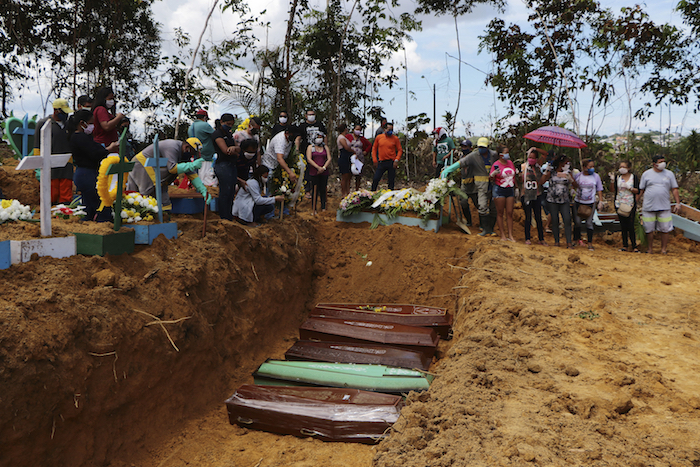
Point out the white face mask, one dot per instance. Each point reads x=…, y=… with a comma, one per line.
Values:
x=311, y=118
x=283, y=120
x=358, y=132
x=264, y=179
x=109, y=103
x=567, y=167
x=505, y=156
x=249, y=155
x=89, y=129
x=87, y=107
x=623, y=170
x=318, y=141
x=661, y=165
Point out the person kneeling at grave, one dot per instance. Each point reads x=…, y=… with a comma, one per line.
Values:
x=250, y=205
x=178, y=155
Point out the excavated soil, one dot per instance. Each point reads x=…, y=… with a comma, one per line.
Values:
x=558, y=357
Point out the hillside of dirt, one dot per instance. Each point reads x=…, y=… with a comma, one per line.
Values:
x=559, y=357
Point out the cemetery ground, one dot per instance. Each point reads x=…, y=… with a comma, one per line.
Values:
x=558, y=357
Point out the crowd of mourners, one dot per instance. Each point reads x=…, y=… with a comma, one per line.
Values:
x=569, y=197
x=236, y=162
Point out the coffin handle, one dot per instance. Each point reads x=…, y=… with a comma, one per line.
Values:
x=306, y=432
x=245, y=421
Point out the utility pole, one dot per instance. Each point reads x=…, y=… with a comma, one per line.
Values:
x=434, y=107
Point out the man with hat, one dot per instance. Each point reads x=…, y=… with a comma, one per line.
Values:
x=443, y=150
x=202, y=130
x=478, y=165
x=178, y=153
x=61, y=177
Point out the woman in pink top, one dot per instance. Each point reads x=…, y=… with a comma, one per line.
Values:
x=106, y=122
x=503, y=177
x=319, y=158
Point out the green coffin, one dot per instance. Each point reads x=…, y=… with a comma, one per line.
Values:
x=377, y=378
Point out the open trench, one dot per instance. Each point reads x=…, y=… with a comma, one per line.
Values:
x=120, y=360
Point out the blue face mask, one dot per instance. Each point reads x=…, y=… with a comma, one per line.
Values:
x=483, y=151
x=591, y=171
x=389, y=132
x=225, y=127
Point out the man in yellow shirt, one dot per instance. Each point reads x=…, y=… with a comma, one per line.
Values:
x=386, y=153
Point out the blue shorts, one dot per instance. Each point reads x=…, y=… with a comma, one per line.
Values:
x=501, y=192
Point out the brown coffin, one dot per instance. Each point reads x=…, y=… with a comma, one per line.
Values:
x=414, y=338
x=330, y=414
x=410, y=315
x=339, y=352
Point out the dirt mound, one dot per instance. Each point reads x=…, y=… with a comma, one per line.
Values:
x=562, y=359
x=21, y=185
x=89, y=364
x=559, y=357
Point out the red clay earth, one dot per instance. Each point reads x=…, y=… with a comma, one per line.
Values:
x=558, y=357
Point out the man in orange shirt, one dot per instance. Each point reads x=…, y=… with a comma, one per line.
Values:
x=386, y=152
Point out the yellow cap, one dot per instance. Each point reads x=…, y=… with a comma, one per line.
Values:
x=195, y=143
x=63, y=105
x=483, y=142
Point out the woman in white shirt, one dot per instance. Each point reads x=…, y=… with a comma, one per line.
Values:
x=250, y=206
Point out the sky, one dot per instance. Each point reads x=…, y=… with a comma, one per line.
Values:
x=428, y=60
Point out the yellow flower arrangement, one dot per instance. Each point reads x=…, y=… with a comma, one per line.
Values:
x=104, y=181
x=244, y=124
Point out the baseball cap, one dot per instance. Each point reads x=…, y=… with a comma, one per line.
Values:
x=483, y=142
x=202, y=112
x=63, y=105
x=466, y=143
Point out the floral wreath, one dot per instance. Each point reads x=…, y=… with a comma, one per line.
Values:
x=104, y=181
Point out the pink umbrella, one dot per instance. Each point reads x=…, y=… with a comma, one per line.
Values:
x=557, y=136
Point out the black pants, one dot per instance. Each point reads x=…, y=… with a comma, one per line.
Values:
x=320, y=182
x=438, y=170
x=384, y=166
x=534, y=207
x=465, y=205
x=627, y=229
x=227, y=174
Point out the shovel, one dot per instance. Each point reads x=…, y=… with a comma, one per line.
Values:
x=459, y=215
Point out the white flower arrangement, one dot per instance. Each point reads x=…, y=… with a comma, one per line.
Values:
x=13, y=210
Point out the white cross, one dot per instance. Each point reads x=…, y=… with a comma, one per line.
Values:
x=46, y=161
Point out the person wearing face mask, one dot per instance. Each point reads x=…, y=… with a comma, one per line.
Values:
x=278, y=150
x=655, y=185
x=307, y=133
x=478, y=167
x=318, y=156
x=503, y=176
x=443, y=150
x=225, y=168
x=559, y=196
x=84, y=102
x=532, y=195
x=87, y=155
x=584, y=203
x=252, y=132
x=281, y=124
x=247, y=161
x=386, y=153
x=61, y=177
x=250, y=204
x=467, y=184
x=106, y=120
x=626, y=187
x=361, y=147
x=203, y=131
x=178, y=153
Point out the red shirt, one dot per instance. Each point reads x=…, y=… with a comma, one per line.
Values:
x=101, y=114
